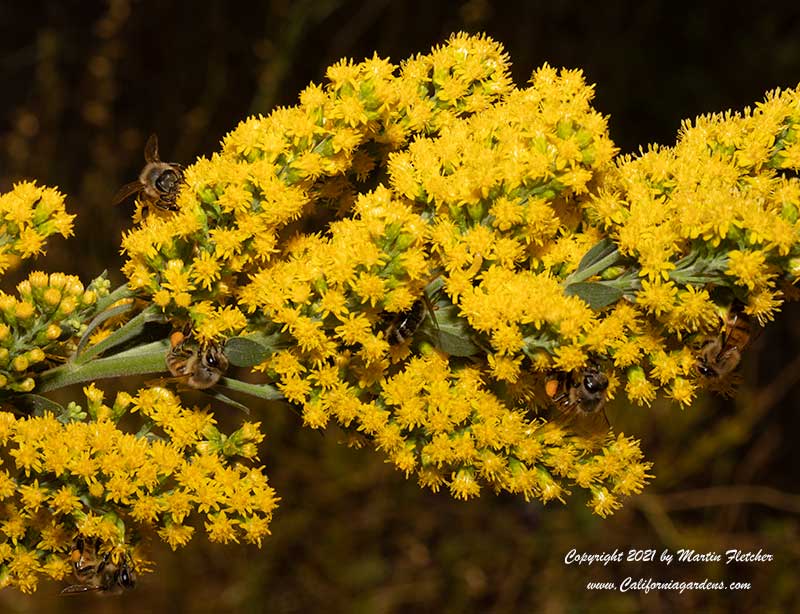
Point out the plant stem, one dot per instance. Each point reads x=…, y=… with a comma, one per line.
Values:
x=137, y=361
x=262, y=391
x=141, y=360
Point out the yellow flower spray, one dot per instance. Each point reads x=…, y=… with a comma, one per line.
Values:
x=458, y=271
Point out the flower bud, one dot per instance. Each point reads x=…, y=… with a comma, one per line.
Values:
x=20, y=363
x=24, y=310
x=68, y=305
x=52, y=296
x=36, y=355
x=24, y=289
x=89, y=297
x=38, y=279
x=58, y=280
x=73, y=286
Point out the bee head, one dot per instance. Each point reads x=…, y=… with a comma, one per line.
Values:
x=705, y=370
x=595, y=382
x=125, y=577
x=214, y=358
x=167, y=181
x=588, y=388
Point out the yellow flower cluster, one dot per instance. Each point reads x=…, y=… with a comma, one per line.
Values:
x=516, y=166
x=233, y=207
x=445, y=425
x=712, y=205
x=331, y=292
x=502, y=188
x=493, y=202
x=335, y=300
x=499, y=210
x=705, y=226
x=35, y=327
x=28, y=215
x=76, y=477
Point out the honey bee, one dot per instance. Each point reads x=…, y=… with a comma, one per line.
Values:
x=579, y=399
x=400, y=327
x=197, y=366
x=96, y=572
x=720, y=356
x=158, y=182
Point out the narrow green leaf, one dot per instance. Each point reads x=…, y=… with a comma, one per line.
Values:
x=227, y=400
x=128, y=331
x=602, y=249
x=117, y=294
x=262, y=391
x=99, y=319
x=596, y=294
x=140, y=360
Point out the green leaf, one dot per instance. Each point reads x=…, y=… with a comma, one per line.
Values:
x=596, y=260
x=249, y=350
x=433, y=289
x=37, y=405
x=596, y=294
x=99, y=319
x=604, y=248
x=453, y=334
x=140, y=360
x=535, y=343
x=227, y=400
x=118, y=294
x=131, y=329
x=262, y=391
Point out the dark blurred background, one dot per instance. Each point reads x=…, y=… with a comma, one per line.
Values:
x=85, y=83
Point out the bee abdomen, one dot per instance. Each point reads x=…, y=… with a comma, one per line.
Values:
x=404, y=325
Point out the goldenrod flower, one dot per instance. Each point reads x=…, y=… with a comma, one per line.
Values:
x=122, y=472
x=500, y=250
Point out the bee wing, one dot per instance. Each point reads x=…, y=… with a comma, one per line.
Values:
x=181, y=383
x=755, y=333
x=752, y=331
x=730, y=326
x=127, y=190
x=590, y=425
x=77, y=589
x=151, y=149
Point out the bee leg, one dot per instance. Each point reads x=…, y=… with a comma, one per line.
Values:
x=561, y=399
x=103, y=562
x=429, y=306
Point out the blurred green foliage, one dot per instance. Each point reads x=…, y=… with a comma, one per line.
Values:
x=84, y=84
